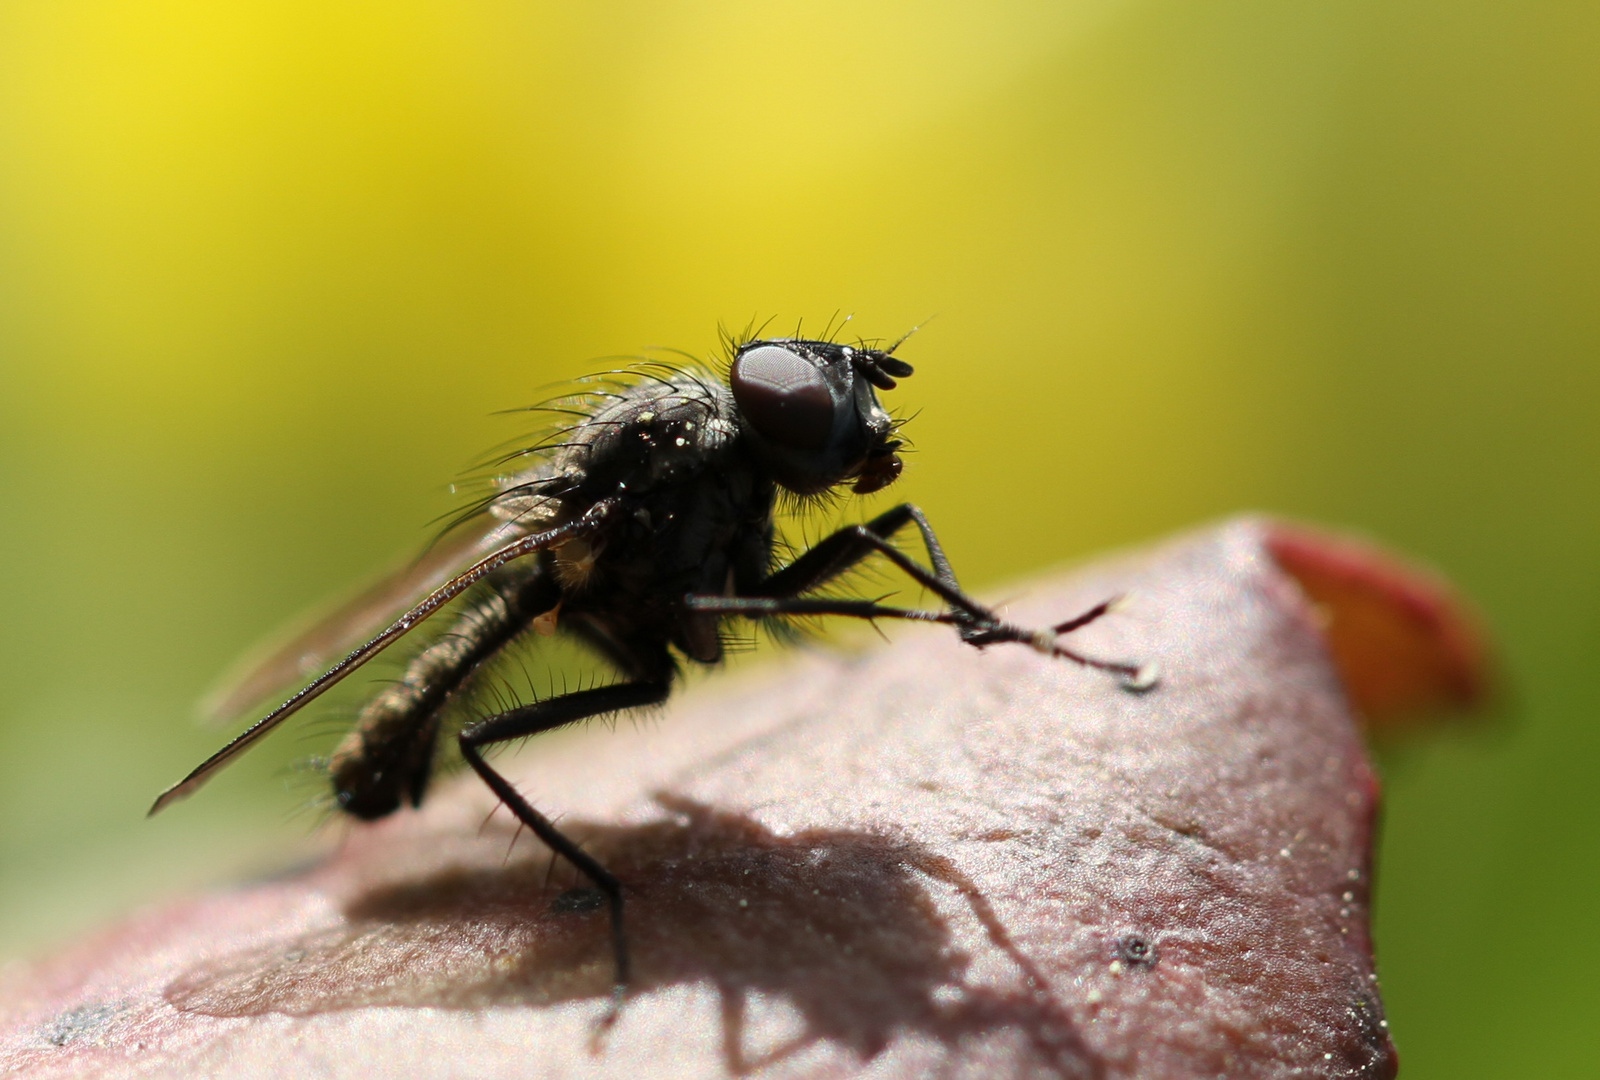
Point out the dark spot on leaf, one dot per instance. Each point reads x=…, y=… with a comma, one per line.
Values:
x=80, y=1024
x=1135, y=950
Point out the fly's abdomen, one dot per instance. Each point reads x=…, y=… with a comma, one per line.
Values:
x=388, y=755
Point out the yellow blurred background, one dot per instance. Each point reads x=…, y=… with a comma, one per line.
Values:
x=267, y=268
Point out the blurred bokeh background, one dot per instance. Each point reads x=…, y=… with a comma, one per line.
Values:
x=267, y=268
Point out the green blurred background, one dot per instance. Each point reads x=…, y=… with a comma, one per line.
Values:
x=266, y=268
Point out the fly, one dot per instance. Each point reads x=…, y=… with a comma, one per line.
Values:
x=645, y=527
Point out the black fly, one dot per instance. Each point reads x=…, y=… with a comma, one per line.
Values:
x=650, y=523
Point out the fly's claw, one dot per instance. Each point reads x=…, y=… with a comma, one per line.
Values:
x=1144, y=678
x=1134, y=678
x=981, y=627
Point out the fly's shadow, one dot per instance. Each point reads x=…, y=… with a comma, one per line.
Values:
x=841, y=929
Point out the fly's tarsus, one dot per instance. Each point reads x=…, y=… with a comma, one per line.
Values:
x=977, y=626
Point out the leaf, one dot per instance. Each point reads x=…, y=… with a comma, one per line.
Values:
x=927, y=860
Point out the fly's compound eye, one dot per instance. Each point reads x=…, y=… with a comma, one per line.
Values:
x=784, y=397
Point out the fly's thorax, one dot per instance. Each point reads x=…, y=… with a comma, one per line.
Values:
x=669, y=456
x=658, y=432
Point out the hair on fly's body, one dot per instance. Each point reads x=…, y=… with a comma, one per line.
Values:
x=642, y=526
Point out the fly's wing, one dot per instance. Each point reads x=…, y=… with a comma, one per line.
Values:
x=312, y=644
x=402, y=623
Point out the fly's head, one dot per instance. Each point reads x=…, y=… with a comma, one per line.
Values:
x=811, y=411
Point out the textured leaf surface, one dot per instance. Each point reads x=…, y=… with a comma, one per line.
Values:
x=923, y=861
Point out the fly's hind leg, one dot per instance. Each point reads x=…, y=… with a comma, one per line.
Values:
x=543, y=716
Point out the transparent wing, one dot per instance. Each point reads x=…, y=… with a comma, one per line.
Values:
x=404, y=622
x=310, y=645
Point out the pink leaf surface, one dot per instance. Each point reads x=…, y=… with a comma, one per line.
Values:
x=921, y=861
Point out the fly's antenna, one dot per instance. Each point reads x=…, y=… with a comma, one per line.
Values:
x=878, y=367
x=890, y=350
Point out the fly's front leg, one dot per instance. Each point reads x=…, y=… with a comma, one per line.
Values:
x=780, y=593
x=842, y=550
x=991, y=631
x=543, y=716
